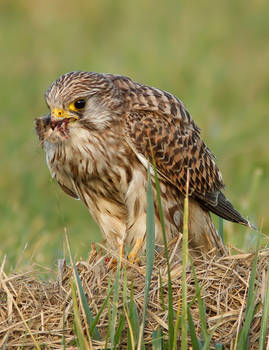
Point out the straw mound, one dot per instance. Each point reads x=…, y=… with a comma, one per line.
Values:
x=47, y=307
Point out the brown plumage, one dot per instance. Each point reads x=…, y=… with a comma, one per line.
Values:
x=98, y=139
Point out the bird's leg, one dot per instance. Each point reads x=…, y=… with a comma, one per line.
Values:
x=132, y=257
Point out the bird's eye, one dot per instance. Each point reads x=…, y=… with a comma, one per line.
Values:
x=78, y=104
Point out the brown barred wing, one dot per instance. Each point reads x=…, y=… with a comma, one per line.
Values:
x=176, y=151
x=158, y=118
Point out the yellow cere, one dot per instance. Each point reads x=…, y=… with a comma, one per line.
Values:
x=59, y=113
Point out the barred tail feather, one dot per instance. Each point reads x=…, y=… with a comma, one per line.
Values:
x=225, y=209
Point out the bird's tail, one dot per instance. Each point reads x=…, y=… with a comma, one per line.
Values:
x=225, y=209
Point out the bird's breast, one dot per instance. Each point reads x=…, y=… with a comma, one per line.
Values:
x=102, y=161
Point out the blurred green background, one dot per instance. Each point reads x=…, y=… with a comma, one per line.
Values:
x=213, y=55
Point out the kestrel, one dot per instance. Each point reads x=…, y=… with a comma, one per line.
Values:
x=99, y=137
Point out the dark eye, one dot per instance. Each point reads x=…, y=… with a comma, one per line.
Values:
x=79, y=104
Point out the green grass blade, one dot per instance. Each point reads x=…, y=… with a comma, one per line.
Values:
x=135, y=323
x=130, y=317
x=196, y=345
x=150, y=248
x=206, y=345
x=170, y=293
x=115, y=304
x=133, y=319
x=161, y=292
x=119, y=330
x=251, y=293
x=89, y=317
x=125, y=286
x=265, y=315
x=77, y=322
x=184, y=318
x=130, y=333
x=201, y=305
x=157, y=343
x=243, y=334
x=150, y=240
x=219, y=347
x=176, y=326
x=96, y=319
x=109, y=327
x=220, y=230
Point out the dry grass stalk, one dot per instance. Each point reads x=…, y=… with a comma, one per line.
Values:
x=30, y=308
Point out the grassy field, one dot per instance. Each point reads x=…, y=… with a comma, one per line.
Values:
x=213, y=55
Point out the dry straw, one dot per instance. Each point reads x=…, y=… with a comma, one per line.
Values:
x=35, y=313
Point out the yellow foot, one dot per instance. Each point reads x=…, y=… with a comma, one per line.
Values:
x=133, y=255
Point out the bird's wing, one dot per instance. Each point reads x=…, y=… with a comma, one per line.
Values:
x=176, y=151
x=158, y=125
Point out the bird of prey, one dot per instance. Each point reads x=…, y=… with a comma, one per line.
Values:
x=101, y=134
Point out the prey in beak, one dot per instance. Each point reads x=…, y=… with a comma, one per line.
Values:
x=59, y=121
x=60, y=125
x=54, y=126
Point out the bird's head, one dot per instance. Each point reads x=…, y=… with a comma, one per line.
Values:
x=76, y=100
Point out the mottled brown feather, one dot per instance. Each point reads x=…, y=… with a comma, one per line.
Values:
x=175, y=151
x=158, y=125
x=100, y=156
